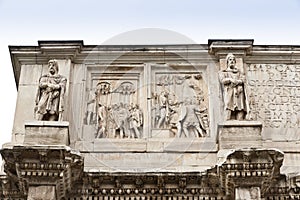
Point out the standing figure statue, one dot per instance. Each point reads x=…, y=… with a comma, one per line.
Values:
x=50, y=96
x=233, y=88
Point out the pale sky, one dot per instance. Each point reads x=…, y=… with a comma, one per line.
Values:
x=96, y=21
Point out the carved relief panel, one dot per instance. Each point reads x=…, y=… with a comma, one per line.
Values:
x=113, y=105
x=179, y=106
x=147, y=101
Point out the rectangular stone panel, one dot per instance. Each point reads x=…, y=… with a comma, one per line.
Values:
x=148, y=162
x=240, y=134
x=120, y=145
x=24, y=107
x=250, y=193
x=190, y=145
x=46, y=192
x=47, y=133
x=274, y=97
x=30, y=74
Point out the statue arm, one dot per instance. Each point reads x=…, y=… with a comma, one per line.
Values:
x=43, y=82
x=62, y=84
x=241, y=80
x=224, y=80
x=55, y=86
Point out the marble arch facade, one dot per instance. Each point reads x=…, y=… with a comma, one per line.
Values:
x=154, y=122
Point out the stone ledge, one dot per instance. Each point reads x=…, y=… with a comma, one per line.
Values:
x=119, y=145
x=236, y=123
x=285, y=146
x=147, y=162
x=38, y=147
x=191, y=145
x=148, y=145
x=47, y=123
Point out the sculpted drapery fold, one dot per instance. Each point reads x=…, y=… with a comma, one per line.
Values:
x=234, y=93
x=50, y=95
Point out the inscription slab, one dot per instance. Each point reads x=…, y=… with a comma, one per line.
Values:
x=274, y=96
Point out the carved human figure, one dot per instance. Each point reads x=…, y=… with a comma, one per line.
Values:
x=102, y=90
x=189, y=120
x=163, y=109
x=174, y=109
x=135, y=121
x=233, y=88
x=102, y=118
x=111, y=124
x=202, y=113
x=121, y=115
x=50, y=96
x=90, y=116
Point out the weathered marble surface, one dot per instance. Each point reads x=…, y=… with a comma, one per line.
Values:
x=50, y=97
x=240, y=134
x=148, y=162
x=41, y=193
x=274, y=99
x=27, y=89
x=178, y=128
x=178, y=145
x=47, y=133
x=235, y=98
x=251, y=193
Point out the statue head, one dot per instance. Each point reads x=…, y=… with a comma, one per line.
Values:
x=53, y=67
x=231, y=61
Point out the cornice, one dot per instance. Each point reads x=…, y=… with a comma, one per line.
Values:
x=79, y=53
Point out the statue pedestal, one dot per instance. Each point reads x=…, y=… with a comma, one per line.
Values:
x=47, y=133
x=239, y=134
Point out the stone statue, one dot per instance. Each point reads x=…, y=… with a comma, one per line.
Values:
x=233, y=88
x=50, y=96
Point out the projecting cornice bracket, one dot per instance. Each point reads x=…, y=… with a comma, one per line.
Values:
x=61, y=49
x=220, y=48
